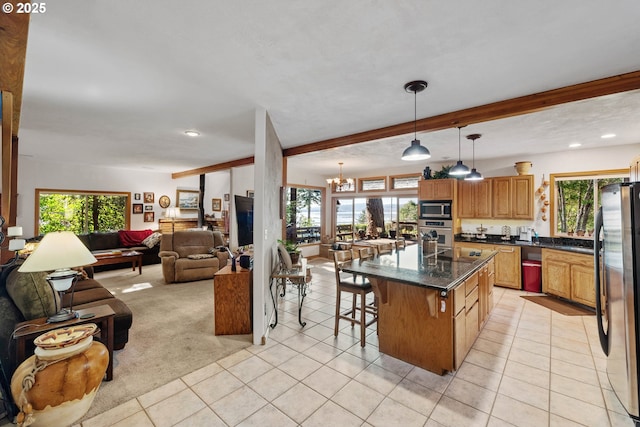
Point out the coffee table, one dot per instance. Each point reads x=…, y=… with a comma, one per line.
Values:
x=103, y=317
x=107, y=258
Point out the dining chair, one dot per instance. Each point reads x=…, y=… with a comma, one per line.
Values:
x=401, y=243
x=359, y=287
x=367, y=252
x=385, y=248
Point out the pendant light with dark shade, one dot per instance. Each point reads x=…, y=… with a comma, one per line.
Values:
x=460, y=169
x=474, y=175
x=415, y=151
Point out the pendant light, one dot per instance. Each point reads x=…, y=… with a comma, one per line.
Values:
x=460, y=169
x=474, y=175
x=415, y=151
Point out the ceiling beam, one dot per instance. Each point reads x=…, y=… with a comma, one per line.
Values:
x=14, y=29
x=484, y=113
x=214, y=168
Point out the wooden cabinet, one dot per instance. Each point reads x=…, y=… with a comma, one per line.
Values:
x=512, y=197
x=179, y=224
x=232, y=296
x=507, y=264
x=522, y=197
x=474, y=199
x=568, y=275
x=437, y=189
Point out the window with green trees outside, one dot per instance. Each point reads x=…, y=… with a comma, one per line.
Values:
x=576, y=198
x=81, y=211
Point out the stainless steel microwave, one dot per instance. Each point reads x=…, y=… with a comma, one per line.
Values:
x=435, y=209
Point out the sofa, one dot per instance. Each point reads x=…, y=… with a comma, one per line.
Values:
x=145, y=241
x=192, y=255
x=27, y=296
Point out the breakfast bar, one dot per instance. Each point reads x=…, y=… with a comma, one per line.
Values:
x=430, y=308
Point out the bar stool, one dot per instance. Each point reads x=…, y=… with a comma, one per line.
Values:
x=367, y=252
x=358, y=287
x=385, y=248
x=401, y=243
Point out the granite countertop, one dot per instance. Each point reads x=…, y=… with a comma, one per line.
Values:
x=581, y=246
x=444, y=271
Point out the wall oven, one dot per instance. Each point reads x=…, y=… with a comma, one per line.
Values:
x=441, y=229
x=435, y=209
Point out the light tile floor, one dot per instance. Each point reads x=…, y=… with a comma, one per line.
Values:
x=528, y=367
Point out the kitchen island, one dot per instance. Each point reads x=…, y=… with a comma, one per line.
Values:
x=430, y=309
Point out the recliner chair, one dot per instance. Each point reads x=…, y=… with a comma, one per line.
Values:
x=192, y=255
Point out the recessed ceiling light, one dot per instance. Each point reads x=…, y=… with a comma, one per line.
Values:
x=608, y=135
x=574, y=145
x=191, y=132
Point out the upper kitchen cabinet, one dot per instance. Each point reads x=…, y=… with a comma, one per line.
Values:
x=474, y=199
x=437, y=189
x=512, y=197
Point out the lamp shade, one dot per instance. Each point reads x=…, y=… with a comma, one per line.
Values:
x=474, y=176
x=460, y=169
x=172, y=213
x=416, y=151
x=57, y=250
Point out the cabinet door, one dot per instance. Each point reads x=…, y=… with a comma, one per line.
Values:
x=465, y=199
x=522, y=197
x=443, y=188
x=460, y=338
x=501, y=197
x=582, y=288
x=483, y=198
x=556, y=277
x=471, y=326
x=425, y=189
x=507, y=267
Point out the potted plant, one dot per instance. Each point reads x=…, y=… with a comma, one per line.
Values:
x=292, y=248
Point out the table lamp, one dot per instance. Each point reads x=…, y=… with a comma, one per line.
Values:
x=172, y=213
x=59, y=251
x=15, y=245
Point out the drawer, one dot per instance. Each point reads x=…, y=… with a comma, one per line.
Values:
x=472, y=298
x=471, y=282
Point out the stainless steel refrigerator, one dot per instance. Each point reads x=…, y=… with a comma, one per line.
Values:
x=617, y=265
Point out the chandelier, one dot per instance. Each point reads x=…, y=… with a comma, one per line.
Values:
x=339, y=181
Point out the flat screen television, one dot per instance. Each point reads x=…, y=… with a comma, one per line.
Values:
x=244, y=217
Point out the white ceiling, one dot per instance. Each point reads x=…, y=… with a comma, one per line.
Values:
x=117, y=83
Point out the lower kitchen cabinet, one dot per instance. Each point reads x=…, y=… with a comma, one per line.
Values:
x=568, y=275
x=507, y=263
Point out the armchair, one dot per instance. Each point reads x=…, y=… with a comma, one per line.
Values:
x=192, y=255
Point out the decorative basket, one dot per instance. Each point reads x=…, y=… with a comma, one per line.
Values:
x=523, y=168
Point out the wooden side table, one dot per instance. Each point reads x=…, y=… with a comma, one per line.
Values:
x=233, y=301
x=103, y=317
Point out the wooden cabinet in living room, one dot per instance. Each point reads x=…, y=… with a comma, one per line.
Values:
x=512, y=197
x=568, y=275
x=474, y=199
x=437, y=189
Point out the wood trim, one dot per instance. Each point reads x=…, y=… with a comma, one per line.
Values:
x=8, y=187
x=14, y=30
x=483, y=113
x=214, y=168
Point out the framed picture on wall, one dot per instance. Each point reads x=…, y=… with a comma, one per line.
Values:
x=226, y=197
x=187, y=199
x=250, y=193
x=148, y=207
x=148, y=197
x=137, y=208
x=136, y=196
x=216, y=205
x=149, y=217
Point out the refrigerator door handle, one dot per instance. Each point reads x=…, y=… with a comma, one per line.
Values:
x=597, y=247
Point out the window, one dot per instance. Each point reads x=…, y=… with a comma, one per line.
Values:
x=81, y=211
x=356, y=217
x=304, y=214
x=403, y=182
x=576, y=198
x=373, y=184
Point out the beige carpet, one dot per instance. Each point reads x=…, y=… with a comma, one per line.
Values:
x=172, y=334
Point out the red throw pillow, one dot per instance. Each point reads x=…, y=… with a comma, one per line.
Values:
x=133, y=237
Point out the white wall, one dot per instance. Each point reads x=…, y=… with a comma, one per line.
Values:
x=267, y=227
